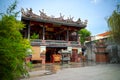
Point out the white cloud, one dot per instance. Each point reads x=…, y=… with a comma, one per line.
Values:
x=95, y=1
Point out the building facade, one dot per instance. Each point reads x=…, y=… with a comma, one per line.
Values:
x=91, y=47
x=53, y=34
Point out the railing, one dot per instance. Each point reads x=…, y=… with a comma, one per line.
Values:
x=54, y=43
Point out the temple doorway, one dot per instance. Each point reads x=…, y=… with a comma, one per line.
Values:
x=74, y=55
x=51, y=51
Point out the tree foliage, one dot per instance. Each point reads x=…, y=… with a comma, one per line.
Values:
x=12, y=46
x=34, y=36
x=114, y=24
x=11, y=9
x=84, y=33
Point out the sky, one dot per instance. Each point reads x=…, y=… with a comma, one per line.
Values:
x=95, y=11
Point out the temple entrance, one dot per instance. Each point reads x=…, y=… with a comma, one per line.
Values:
x=51, y=52
x=74, y=55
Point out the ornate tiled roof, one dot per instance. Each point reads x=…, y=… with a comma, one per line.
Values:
x=29, y=15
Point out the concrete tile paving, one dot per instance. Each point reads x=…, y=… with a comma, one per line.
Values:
x=96, y=72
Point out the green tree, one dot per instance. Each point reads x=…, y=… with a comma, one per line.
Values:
x=114, y=24
x=84, y=33
x=13, y=47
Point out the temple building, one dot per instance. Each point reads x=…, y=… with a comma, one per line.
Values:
x=53, y=34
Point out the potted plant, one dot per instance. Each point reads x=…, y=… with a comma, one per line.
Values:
x=34, y=36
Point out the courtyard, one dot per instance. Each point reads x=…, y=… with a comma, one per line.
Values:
x=75, y=71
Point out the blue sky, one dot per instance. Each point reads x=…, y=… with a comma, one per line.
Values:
x=95, y=11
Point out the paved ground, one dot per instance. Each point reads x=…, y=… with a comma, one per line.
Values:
x=86, y=72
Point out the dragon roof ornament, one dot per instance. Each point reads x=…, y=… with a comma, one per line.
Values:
x=43, y=15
